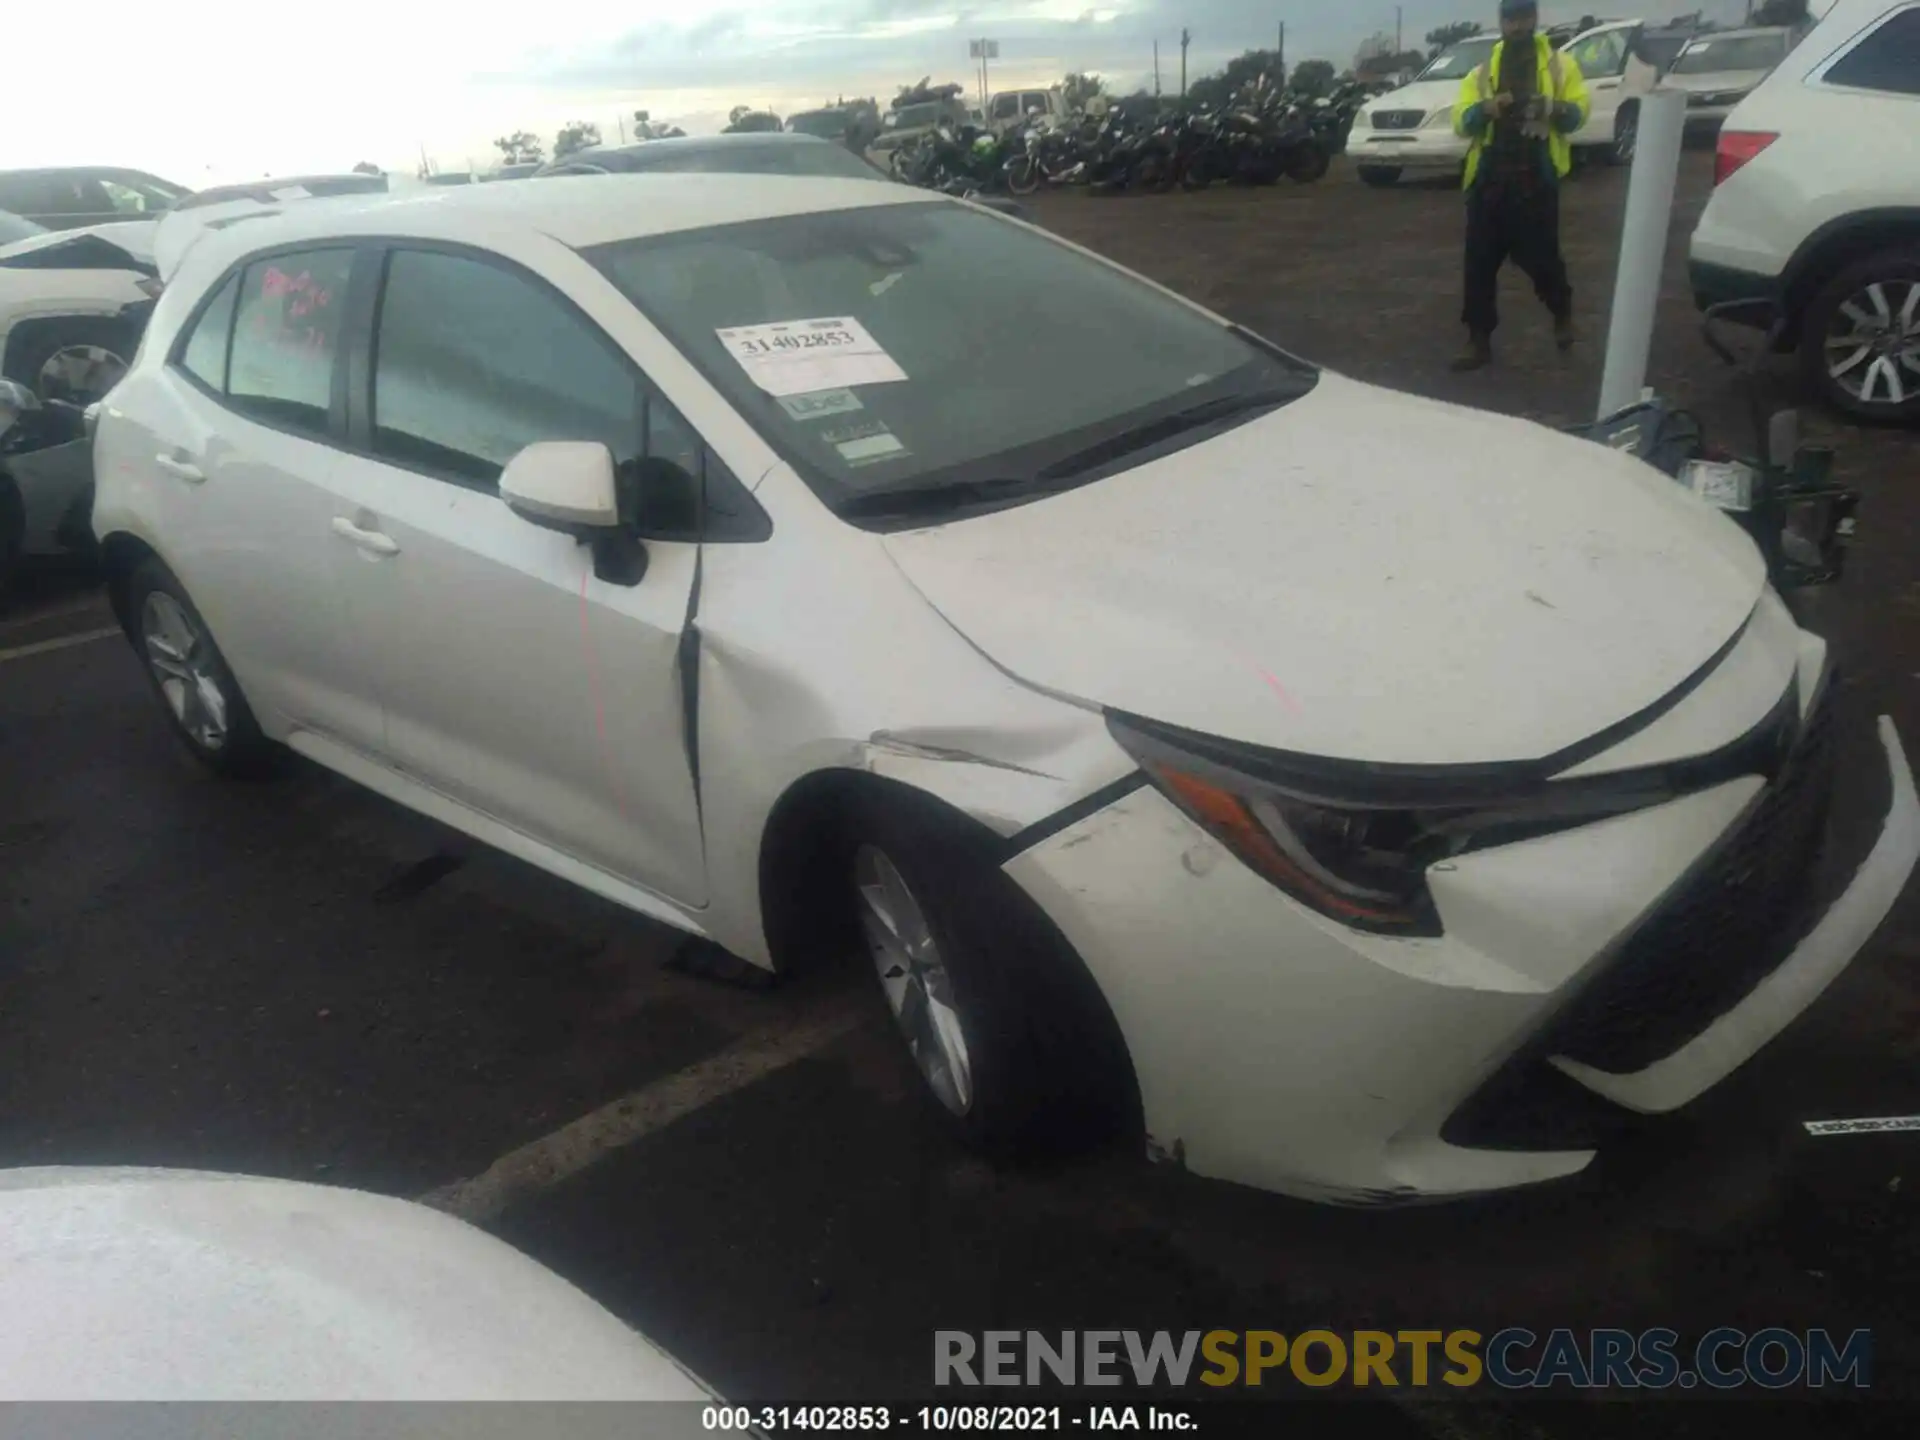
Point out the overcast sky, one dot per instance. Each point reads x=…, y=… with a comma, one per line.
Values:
x=205, y=91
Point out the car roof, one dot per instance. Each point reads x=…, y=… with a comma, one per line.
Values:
x=343, y=182
x=87, y=170
x=1745, y=33
x=579, y=211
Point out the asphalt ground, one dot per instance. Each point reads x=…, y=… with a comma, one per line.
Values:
x=297, y=979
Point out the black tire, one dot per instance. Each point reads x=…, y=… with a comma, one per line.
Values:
x=1048, y=1066
x=1379, y=176
x=1308, y=163
x=1198, y=174
x=1023, y=176
x=1900, y=267
x=242, y=752
x=27, y=357
x=1626, y=135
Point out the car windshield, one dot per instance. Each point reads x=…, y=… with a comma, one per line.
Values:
x=1731, y=54
x=13, y=227
x=971, y=351
x=1458, y=62
x=914, y=116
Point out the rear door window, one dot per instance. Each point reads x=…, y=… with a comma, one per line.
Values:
x=286, y=334
x=1887, y=60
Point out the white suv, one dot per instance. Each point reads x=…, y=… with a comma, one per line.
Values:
x=1410, y=130
x=1817, y=208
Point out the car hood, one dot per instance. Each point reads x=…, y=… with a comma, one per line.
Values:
x=1358, y=575
x=115, y=245
x=1426, y=95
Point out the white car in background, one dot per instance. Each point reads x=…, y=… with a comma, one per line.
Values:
x=1409, y=131
x=1203, y=745
x=1720, y=70
x=1815, y=214
x=63, y=333
x=177, y=1285
x=1619, y=72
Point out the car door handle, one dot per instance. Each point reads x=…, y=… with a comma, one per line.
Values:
x=371, y=541
x=1605, y=85
x=181, y=469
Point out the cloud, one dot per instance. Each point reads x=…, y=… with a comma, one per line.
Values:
x=382, y=79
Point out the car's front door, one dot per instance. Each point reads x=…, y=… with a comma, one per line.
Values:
x=516, y=680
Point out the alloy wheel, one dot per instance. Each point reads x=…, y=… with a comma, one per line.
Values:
x=914, y=975
x=79, y=373
x=1873, y=343
x=182, y=660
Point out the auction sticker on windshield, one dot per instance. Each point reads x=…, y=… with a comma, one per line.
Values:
x=798, y=357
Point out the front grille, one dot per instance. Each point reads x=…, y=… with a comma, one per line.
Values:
x=1398, y=119
x=1724, y=929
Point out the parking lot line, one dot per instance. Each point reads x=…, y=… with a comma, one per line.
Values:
x=91, y=606
x=41, y=647
x=541, y=1164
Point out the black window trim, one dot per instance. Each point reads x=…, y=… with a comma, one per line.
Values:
x=353, y=380
x=335, y=430
x=1850, y=47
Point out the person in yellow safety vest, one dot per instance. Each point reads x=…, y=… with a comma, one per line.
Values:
x=1518, y=108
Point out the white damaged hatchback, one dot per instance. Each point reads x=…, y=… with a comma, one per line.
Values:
x=1198, y=741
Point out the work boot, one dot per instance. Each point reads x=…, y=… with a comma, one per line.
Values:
x=1564, y=333
x=1477, y=356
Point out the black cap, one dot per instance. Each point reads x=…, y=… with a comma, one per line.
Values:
x=1517, y=8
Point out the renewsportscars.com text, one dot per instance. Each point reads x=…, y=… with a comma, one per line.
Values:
x=1510, y=1359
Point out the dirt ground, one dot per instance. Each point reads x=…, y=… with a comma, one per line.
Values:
x=267, y=979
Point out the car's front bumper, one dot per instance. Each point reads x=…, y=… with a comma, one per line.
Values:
x=1431, y=150
x=1279, y=1049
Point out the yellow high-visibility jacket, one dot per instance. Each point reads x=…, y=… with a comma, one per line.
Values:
x=1559, y=77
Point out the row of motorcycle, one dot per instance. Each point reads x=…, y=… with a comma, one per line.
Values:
x=1261, y=139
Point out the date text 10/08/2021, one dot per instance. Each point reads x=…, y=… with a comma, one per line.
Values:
x=940, y=1419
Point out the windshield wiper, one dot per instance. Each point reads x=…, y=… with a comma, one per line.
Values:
x=1194, y=417
x=936, y=499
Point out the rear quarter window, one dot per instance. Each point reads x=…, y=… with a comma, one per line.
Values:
x=1888, y=60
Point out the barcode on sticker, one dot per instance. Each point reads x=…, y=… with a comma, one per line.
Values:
x=1863, y=1127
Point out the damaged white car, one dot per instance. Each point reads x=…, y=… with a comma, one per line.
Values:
x=1200, y=741
x=71, y=304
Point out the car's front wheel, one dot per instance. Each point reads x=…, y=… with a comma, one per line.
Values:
x=202, y=700
x=1011, y=1036
x=1860, y=338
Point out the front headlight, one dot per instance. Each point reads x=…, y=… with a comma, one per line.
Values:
x=1440, y=120
x=1360, y=864
x=1357, y=849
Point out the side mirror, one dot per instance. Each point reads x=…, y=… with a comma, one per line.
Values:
x=564, y=485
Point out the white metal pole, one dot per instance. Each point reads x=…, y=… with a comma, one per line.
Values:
x=1643, y=248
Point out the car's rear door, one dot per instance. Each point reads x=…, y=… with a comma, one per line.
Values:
x=516, y=679
x=233, y=441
